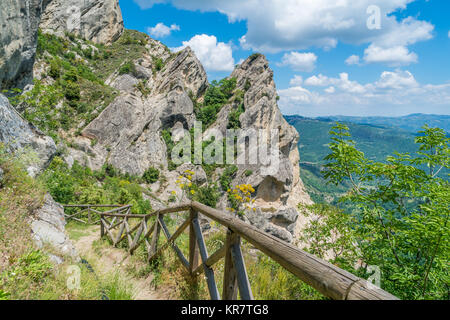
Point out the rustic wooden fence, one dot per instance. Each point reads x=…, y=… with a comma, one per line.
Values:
x=138, y=230
x=85, y=213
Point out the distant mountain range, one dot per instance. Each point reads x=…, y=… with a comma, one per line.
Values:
x=412, y=123
x=377, y=137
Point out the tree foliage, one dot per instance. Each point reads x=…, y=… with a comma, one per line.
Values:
x=401, y=224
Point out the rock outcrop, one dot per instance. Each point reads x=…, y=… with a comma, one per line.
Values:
x=129, y=132
x=19, y=21
x=131, y=126
x=97, y=20
x=277, y=194
x=48, y=228
x=20, y=136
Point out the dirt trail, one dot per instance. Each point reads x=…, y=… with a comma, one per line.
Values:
x=110, y=259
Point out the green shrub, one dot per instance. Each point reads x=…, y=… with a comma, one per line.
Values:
x=248, y=173
x=128, y=68
x=151, y=175
x=208, y=195
x=227, y=177
x=71, y=75
x=72, y=91
x=234, y=117
x=158, y=64
x=55, y=69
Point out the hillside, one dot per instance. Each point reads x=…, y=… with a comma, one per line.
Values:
x=376, y=143
x=411, y=123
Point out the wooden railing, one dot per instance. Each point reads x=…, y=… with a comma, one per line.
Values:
x=85, y=213
x=326, y=278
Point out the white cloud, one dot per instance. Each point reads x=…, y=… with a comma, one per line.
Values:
x=342, y=83
x=449, y=33
x=330, y=90
x=215, y=56
x=396, y=80
x=352, y=60
x=394, y=56
x=296, y=81
x=161, y=30
x=393, y=93
x=291, y=25
x=318, y=81
x=299, y=61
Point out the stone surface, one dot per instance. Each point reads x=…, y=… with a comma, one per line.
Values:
x=97, y=20
x=277, y=193
x=20, y=136
x=131, y=126
x=19, y=21
x=48, y=228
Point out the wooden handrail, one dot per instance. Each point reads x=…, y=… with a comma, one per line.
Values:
x=326, y=278
x=329, y=280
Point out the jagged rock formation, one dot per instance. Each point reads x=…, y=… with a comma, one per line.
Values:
x=48, y=228
x=19, y=21
x=97, y=20
x=160, y=95
x=131, y=126
x=18, y=136
x=277, y=194
x=129, y=132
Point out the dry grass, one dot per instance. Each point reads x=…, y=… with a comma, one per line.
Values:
x=19, y=198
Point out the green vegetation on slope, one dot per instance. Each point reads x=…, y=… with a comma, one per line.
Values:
x=217, y=95
x=27, y=273
x=81, y=185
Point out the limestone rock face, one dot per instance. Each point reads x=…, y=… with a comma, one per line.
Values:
x=97, y=20
x=48, y=227
x=129, y=133
x=277, y=193
x=131, y=126
x=18, y=136
x=19, y=21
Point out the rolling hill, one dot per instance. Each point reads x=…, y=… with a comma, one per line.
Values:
x=411, y=123
x=374, y=138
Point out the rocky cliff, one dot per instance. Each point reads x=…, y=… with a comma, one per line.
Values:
x=19, y=21
x=20, y=136
x=128, y=133
x=97, y=20
x=156, y=93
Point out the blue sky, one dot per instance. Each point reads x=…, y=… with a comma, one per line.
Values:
x=352, y=57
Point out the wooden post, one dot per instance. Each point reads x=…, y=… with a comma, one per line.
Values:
x=209, y=272
x=155, y=238
x=241, y=272
x=102, y=228
x=193, y=246
x=89, y=215
x=230, y=286
x=119, y=234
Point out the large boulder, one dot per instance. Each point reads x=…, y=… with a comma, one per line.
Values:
x=48, y=228
x=97, y=20
x=19, y=22
x=18, y=135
